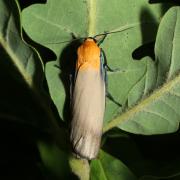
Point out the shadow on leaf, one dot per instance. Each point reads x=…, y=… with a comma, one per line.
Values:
x=149, y=31
x=67, y=63
x=24, y=4
x=156, y=155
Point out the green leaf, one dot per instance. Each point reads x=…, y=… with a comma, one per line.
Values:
x=80, y=167
x=21, y=72
x=159, y=112
x=55, y=80
x=107, y=167
x=55, y=21
x=156, y=156
x=23, y=57
x=54, y=160
x=167, y=46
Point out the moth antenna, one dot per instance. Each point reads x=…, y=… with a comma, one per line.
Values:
x=74, y=36
x=111, y=32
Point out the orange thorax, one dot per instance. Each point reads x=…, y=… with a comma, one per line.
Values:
x=88, y=55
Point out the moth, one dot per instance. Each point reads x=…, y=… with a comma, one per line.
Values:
x=88, y=98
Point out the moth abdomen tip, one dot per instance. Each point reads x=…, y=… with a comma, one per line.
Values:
x=87, y=146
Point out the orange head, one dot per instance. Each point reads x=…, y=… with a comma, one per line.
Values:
x=88, y=55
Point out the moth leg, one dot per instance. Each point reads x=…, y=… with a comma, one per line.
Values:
x=74, y=36
x=106, y=68
x=109, y=69
x=108, y=94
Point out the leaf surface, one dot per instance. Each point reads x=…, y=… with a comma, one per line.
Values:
x=107, y=167
x=54, y=22
x=159, y=112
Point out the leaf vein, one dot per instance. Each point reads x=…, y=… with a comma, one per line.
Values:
x=157, y=114
x=142, y=104
x=104, y=174
x=165, y=102
x=54, y=24
x=174, y=94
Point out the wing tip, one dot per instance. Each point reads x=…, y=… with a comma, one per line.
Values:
x=87, y=146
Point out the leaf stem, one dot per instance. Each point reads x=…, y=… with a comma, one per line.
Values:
x=80, y=167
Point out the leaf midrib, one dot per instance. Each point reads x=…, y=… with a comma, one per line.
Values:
x=91, y=17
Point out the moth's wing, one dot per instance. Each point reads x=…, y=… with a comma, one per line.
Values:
x=88, y=105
